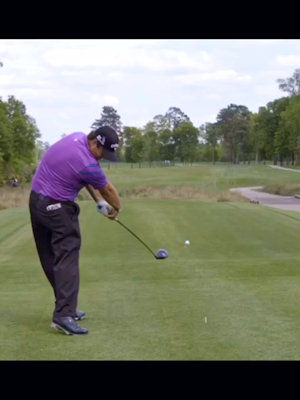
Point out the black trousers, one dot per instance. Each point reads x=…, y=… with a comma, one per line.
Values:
x=58, y=241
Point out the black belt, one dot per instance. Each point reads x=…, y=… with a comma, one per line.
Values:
x=40, y=196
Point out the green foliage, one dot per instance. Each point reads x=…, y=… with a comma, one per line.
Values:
x=291, y=85
x=109, y=117
x=287, y=138
x=18, y=138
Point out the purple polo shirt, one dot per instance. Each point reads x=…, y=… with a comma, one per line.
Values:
x=67, y=167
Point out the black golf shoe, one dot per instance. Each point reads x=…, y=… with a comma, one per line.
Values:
x=79, y=315
x=69, y=326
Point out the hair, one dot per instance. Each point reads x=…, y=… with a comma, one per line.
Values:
x=94, y=133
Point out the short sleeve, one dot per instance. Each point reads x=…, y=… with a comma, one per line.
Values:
x=94, y=175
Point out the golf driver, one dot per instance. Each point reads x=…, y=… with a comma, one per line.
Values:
x=160, y=255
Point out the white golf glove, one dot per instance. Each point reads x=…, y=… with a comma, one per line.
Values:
x=103, y=207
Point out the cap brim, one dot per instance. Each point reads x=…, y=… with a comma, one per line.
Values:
x=109, y=155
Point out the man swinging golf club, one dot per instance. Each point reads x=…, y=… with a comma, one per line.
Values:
x=67, y=167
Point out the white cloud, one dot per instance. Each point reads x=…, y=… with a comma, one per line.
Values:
x=6, y=79
x=227, y=76
x=257, y=42
x=74, y=79
x=64, y=115
x=289, y=61
x=115, y=76
x=269, y=90
x=138, y=123
x=156, y=60
x=105, y=100
x=213, y=96
x=272, y=74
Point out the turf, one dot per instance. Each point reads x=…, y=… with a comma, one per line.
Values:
x=241, y=272
x=217, y=177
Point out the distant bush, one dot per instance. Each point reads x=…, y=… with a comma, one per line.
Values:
x=282, y=189
x=181, y=193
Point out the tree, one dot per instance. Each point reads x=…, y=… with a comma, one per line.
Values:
x=233, y=127
x=151, y=144
x=129, y=134
x=1, y=64
x=24, y=130
x=18, y=136
x=287, y=137
x=291, y=85
x=63, y=135
x=109, y=117
x=186, y=140
x=255, y=135
x=174, y=117
x=41, y=148
x=210, y=133
x=137, y=145
x=167, y=146
x=161, y=122
x=268, y=123
x=5, y=139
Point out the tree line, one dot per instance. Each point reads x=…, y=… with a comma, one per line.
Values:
x=237, y=135
x=20, y=147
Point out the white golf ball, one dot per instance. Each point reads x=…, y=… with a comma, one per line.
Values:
x=187, y=242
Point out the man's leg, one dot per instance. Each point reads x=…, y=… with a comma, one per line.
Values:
x=66, y=247
x=42, y=237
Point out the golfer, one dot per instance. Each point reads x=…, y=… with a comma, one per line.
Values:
x=67, y=167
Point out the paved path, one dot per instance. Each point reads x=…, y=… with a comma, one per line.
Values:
x=284, y=169
x=269, y=200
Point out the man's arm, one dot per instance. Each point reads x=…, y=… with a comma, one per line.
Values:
x=99, y=186
x=94, y=193
x=108, y=193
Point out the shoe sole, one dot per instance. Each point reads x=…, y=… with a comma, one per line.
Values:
x=60, y=328
x=79, y=319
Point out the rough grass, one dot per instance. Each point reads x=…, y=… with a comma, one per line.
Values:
x=181, y=193
x=14, y=197
x=282, y=189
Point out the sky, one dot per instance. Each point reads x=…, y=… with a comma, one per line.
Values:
x=65, y=83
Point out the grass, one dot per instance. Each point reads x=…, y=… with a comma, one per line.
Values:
x=213, y=178
x=14, y=197
x=201, y=182
x=282, y=189
x=241, y=272
x=293, y=166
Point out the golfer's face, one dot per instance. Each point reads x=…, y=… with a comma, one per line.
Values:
x=99, y=154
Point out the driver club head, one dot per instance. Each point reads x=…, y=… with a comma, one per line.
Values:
x=162, y=254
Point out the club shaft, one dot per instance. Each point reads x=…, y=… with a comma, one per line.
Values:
x=135, y=237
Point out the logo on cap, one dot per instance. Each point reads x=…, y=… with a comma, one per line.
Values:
x=114, y=146
x=101, y=139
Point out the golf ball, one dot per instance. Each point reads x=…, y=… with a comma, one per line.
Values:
x=187, y=242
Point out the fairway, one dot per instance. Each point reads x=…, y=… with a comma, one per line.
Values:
x=218, y=177
x=241, y=272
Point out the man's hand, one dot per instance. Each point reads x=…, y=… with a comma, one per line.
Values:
x=103, y=207
x=112, y=214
